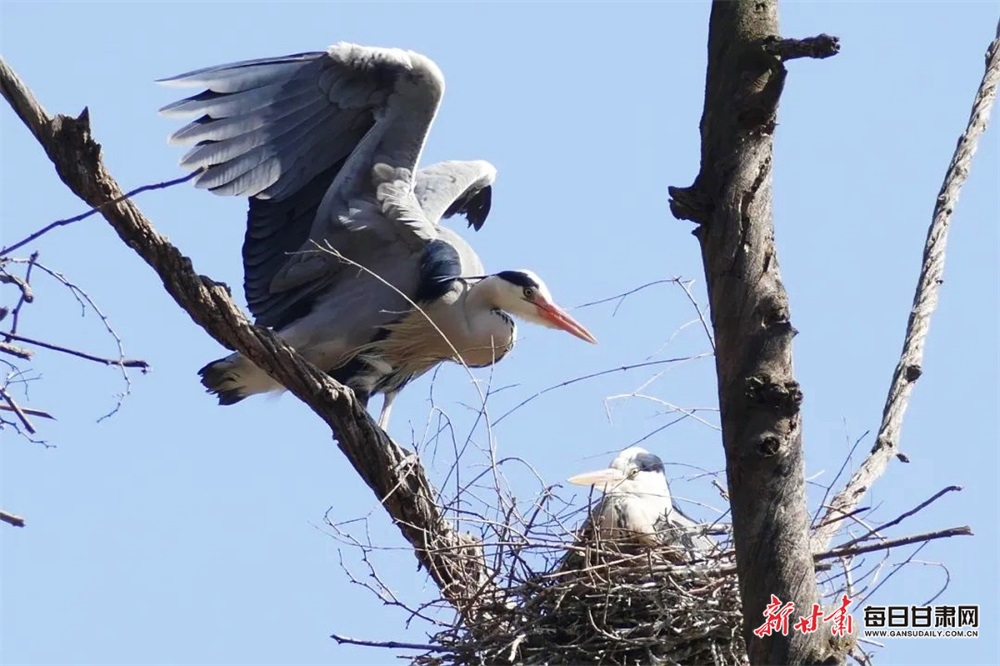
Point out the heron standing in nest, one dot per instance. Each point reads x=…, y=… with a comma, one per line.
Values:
x=637, y=509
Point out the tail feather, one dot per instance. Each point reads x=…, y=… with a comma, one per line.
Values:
x=234, y=378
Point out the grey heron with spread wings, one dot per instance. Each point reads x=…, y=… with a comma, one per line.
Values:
x=326, y=146
x=637, y=508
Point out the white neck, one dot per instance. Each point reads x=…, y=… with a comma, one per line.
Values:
x=485, y=295
x=489, y=334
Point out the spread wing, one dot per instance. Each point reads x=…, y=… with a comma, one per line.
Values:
x=451, y=188
x=325, y=145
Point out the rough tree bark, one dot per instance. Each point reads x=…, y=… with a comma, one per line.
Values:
x=759, y=399
x=453, y=559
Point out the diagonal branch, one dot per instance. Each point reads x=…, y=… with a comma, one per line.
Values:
x=851, y=550
x=93, y=211
x=909, y=369
x=123, y=362
x=41, y=413
x=453, y=559
x=14, y=350
x=18, y=410
x=900, y=518
x=11, y=519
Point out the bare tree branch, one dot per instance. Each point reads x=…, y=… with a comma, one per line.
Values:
x=14, y=407
x=93, y=211
x=124, y=362
x=394, y=645
x=29, y=411
x=453, y=559
x=852, y=513
x=893, y=543
x=594, y=375
x=14, y=350
x=909, y=367
x=27, y=296
x=759, y=399
x=11, y=519
x=86, y=303
x=903, y=516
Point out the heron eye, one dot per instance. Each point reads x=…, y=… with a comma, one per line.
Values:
x=633, y=472
x=529, y=293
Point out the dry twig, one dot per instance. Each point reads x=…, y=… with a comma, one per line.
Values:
x=93, y=211
x=11, y=519
x=909, y=368
x=124, y=362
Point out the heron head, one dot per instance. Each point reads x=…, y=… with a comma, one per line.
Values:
x=523, y=294
x=634, y=471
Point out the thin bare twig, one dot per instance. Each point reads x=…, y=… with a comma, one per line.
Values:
x=394, y=645
x=894, y=543
x=686, y=286
x=19, y=282
x=837, y=519
x=124, y=362
x=896, y=569
x=93, y=211
x=909, y=368
x=14, y=350
x=85, y=301
x=14, y=407
x=11, y=519
x=620, y=298
x=901, y=517
x=947, y=579
x=594, y=375
x=27, y=296
x=30, y=412
x=826, y=493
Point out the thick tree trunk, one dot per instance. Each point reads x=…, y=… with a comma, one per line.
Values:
x=758, y=395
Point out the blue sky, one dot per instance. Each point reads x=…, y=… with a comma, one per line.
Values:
x=181, y=532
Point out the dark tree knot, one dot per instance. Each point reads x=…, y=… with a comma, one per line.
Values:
x=783, y=397
x=769, y=446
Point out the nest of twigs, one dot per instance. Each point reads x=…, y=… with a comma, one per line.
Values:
x=613, y=608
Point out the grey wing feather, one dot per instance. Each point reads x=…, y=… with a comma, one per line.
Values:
x=276, y=230
x=261, y=103
x=454, y=187
x=325, y=144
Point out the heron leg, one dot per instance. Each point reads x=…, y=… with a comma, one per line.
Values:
x=383, y=419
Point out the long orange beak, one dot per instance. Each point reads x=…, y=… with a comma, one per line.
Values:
x=561, y=319
x=604, y=480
